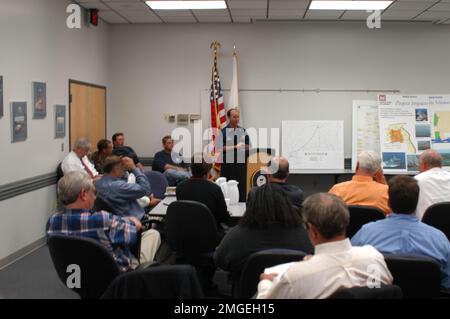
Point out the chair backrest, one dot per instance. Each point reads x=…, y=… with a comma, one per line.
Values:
x=190, y=228
x=97, y=267
x=101, y=204
x=160, y=282
x=256, y=264
x=417, y=276
x=438, y=216
x=361, y=215
x=158, y=183
x=59, y=172
x=383, y=292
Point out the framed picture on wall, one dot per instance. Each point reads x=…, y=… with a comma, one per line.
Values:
x=18, y=121
x=60, y=121
x=1, y=96
x=39, y=100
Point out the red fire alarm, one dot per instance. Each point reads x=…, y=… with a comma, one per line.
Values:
x=93, y=16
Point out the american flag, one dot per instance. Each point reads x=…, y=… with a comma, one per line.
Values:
x=218, y=114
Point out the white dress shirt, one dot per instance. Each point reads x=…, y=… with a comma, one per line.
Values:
x=335, y=265
x=434, y=187
x=73, y=163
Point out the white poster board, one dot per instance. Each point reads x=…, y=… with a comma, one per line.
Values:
x=365, y=128
x=313, y=144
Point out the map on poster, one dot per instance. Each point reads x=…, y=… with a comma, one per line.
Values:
x=411, y=124
x=313, y=144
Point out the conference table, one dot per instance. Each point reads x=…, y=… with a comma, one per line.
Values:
x=160, y=210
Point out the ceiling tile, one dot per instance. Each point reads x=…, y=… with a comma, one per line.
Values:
x=128, y=5
x=411, y=5
x=134, y=13
x=355, y=15
x=147, y=19
x=176, y=16
x=238, y=19
x=286, y=14
x=111, y=17
x=399, y=15
x=288, y=4
x=253, y=13
x=433, y=15
x=323, y=14
x=248, y=4
x=429, y=1
x=443, y=6
x=212, y=19
x=93, y=5
x=211, y=13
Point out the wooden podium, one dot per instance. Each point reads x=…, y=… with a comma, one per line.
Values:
x=257, y=158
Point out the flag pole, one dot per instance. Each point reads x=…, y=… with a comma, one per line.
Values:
x=237, y=77
x=215, y=46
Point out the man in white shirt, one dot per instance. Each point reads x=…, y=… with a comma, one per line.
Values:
x=335, y=265
x=77, y=160
x=434, y=182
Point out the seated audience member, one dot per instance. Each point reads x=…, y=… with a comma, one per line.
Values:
x=198, y=188
x=121, y=150
x=368, y=186
x=77, y=159
x=104, y=150
x=269, y=222
x=115, y=233
x=402, y=232
x=115, y=190
x=170, y=163
x=434, y=182
x=294, y=193
x=335, y=264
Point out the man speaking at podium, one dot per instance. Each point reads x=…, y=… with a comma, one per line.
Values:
x=236, y=144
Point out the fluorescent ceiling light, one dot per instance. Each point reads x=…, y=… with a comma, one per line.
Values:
x=186, y=5
x=349, y=5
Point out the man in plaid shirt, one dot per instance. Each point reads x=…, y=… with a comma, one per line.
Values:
x=115, y=233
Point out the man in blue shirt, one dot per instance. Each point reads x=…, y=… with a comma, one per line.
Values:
x=236, y=145
x=403, y=233
x=170, y=163
x=120, y=195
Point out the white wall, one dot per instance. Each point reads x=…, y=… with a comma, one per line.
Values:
x=157, y=69
x=36, y=45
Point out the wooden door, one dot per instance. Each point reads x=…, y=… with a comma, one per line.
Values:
x=87, y=112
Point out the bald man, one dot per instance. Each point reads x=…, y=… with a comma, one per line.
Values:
x=280, y=177
x=434, y=181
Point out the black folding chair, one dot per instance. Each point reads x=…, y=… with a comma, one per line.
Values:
x=162, y=282
x=383, y=292
x=417, y=276
x=191, y=232
x=256, y=264
x=97, y=268
x=438, y=216
x=361, y=215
